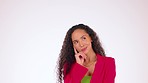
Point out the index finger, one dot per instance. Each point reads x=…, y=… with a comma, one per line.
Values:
x=75, y=51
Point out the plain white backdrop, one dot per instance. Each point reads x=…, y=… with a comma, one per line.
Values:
x=32, y=34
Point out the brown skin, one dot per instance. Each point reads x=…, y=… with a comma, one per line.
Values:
x=67, y=53
x=84, y=52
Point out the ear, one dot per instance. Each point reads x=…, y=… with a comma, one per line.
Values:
x=91, y=40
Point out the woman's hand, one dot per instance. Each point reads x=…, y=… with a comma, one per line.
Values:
x=80, y=57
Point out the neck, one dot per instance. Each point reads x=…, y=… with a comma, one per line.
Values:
x=91, y=57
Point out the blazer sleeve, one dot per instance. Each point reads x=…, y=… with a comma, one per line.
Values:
x=76, y=74
x=110, y=71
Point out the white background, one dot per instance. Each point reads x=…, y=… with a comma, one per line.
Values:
x=32, y=33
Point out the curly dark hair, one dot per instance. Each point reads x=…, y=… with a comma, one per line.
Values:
x=67, y=52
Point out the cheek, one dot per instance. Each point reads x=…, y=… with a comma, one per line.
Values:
x=87, y=42
x=77, y=47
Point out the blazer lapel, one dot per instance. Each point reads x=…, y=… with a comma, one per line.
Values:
x=97, y=76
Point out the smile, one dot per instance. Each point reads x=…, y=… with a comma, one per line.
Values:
x=83, y=49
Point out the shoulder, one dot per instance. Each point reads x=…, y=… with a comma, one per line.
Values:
x=105, y=59
x=110, y=59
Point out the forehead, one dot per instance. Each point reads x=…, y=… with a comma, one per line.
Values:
x=78, y=33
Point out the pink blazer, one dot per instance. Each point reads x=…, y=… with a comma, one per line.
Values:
x=104, y=72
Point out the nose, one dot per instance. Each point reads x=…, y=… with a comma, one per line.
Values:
x=81, y=44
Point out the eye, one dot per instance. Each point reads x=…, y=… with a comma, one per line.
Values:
x=83, y=38
x=75, y=42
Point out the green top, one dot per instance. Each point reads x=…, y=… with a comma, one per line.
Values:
x=86, y=79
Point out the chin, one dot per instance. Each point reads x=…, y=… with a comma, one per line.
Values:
x=85, y=52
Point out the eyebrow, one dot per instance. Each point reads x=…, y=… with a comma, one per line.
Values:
x=80, y=38
x=83, y=36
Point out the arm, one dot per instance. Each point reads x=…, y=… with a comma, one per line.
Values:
x=76, y=74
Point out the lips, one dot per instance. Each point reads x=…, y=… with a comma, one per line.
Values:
x=83, y=49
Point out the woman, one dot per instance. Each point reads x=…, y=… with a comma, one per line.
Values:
x=82, y=58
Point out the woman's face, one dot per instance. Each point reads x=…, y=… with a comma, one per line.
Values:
x=81, y=41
